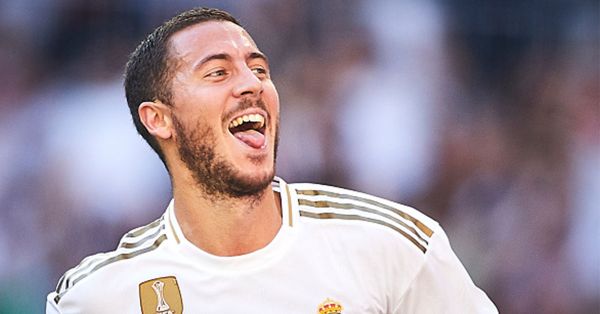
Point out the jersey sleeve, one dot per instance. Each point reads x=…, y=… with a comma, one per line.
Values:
x=51, y=306
x=442, y=285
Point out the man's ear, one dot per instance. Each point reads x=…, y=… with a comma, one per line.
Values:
x=156, y=118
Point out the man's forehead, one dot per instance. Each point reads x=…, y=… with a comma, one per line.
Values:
x=209, y=37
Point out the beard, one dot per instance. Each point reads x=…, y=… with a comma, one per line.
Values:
x=215, y=175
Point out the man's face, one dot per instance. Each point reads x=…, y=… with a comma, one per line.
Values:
x=225, y=109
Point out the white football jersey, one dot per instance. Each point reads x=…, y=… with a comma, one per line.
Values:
x=338, y=251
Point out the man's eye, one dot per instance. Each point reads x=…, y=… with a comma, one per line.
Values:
x=217, y=73
x=259, y=70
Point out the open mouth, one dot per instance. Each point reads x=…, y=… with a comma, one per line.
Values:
x=250, y=129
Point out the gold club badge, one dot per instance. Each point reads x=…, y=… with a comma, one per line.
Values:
x=161, y=296
x=330, y=307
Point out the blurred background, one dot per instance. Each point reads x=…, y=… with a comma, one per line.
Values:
x=483, y=114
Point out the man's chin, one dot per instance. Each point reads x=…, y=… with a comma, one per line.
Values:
x=251, y=184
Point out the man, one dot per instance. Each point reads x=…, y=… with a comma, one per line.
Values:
x=235, y=239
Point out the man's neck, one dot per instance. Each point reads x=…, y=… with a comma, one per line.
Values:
x=227, y=226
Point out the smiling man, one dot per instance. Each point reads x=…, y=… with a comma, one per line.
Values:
x=236, y=239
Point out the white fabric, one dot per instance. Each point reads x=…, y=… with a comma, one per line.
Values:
x=381, y=258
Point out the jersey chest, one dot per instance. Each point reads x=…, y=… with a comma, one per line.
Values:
x=298, y=283
x=276, y=291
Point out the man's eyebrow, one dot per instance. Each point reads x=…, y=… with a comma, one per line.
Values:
x=218, y=56
x=257, y=55
x=225, y=56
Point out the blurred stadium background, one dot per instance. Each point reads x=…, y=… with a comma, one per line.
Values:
x=483, y=114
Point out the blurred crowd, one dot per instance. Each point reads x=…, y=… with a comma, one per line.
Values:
x=483, y=114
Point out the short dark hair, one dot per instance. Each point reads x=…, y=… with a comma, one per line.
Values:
x=149, y=71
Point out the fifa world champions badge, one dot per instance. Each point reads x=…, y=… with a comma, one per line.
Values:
x=330, y=306
x=161, y=296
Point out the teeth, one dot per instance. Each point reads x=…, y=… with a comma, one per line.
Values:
x=260, y=120
x=248, y=118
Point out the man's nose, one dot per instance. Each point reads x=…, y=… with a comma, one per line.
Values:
x=247, y=84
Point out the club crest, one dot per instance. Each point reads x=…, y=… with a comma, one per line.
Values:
x=330, y=306
x=161, y=296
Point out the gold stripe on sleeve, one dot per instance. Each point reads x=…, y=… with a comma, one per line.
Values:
x=346, y=206
x=122, y=256
x=426, y=230
x=140, y=242
x=357, y=217
x=141, y=230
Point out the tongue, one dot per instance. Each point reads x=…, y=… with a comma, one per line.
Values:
x=251, y=138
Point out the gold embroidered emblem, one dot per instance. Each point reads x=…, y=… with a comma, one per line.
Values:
x=161, y=296
x=330, y=306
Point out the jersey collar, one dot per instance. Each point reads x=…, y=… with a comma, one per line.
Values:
x=253, y=260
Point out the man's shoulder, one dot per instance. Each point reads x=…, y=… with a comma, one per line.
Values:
x=92, y=271
x=334, y=205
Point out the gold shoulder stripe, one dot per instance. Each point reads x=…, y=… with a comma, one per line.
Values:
x=130, y=245
x=327, y=204
x=102, y=257
x=82, y=267
x=60, y=282
x=122, y=256
x=83, y=264
x=139, y=231
x=90, y=261
x=426, y=230
x=357, y=217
